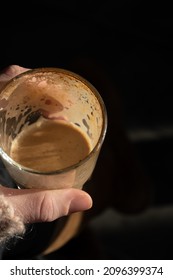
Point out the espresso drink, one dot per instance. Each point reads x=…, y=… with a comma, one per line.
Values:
x=50, y=145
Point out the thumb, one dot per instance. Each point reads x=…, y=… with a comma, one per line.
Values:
x=46, y=205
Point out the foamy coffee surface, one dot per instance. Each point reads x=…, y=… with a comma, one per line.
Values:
x=50, y=145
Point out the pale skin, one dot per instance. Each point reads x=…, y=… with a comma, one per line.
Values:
x=42, y=205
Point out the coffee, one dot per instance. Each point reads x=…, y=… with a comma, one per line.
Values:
x=50, y=145
x=51, y=119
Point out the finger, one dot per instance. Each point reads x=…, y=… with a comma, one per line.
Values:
x=9, y=73
x=46, y=206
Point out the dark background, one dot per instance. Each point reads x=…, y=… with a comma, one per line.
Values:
x=131, y=42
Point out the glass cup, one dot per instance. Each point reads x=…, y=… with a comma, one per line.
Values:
x=36, y=108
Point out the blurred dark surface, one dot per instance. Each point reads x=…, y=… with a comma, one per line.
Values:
x=129, y=43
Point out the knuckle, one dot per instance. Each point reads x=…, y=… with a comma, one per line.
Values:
x=46, y=209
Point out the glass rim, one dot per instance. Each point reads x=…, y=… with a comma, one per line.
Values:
x=101, y=138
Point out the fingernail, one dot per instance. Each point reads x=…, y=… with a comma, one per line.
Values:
x=84, y=202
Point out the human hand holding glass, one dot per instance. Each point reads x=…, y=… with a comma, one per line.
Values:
x=32, y=204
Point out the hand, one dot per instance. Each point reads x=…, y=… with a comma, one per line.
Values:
x=42, y=205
